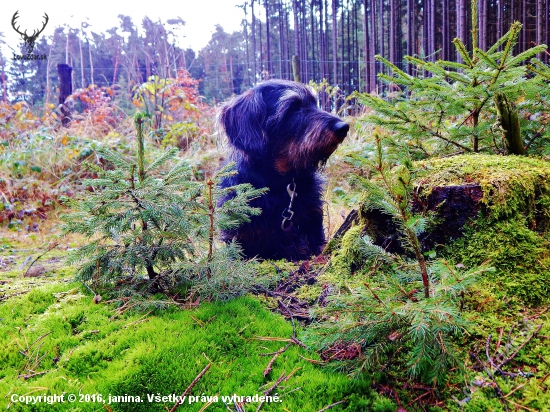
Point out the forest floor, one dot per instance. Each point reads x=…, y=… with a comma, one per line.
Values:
x=56, y=338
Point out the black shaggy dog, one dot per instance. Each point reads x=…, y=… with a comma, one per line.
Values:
x=278, y=138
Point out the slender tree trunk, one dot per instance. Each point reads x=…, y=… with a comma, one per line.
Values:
x=312, y=26
x=381, y=26
x=335, y=41
x=48, y=82
x=253, y=42
x=64, y=72
x=410, y=31
x=304, y=41
x=5, y=87
x=372, y=48
x=268, y=38
x=82, y=81
x=393, y=30
x=91, y=64
x=462, y=24
x=429, y=29
x=547, y=28
x=482, y=25
x=366, y=51
x=433, y=31
x=281, y=36
x=296, y=38
x=540, y=24
x=117, y=58
x=262, y=60
x=500, y=25
x=321, y=44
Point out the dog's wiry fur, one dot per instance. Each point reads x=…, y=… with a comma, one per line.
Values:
x=278, y=136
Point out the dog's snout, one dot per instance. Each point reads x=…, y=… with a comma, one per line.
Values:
x=341, y=130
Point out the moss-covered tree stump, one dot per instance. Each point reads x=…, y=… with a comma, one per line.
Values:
x=485, y=207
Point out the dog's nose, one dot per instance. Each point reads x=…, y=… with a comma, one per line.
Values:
x=341, y=130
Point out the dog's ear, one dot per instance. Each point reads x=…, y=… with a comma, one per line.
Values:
x=243, y=119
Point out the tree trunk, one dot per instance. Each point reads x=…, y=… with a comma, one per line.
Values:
x=508, y=118
x=297, y=48
x=91, y=64
x=393, y=30
x=268, y=38
x=366, y=51
x=462, y=24
x=296, y=70
x=117, y=58
x=48, y=85
x=410, y=31
x=540, y=24
x=253, y=42
x=64, y=72
x=335, y=41
x=482, y=24
x=5, y=85
x=372, y=48
x=444, y=30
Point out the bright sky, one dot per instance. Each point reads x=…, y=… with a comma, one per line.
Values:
x=200, y=16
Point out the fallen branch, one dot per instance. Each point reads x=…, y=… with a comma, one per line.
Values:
x=513, y=355
x=269, y=366
x=39, y=256
x=190, y=387
x=498, y=390
x=272, y=388
x=326, y=408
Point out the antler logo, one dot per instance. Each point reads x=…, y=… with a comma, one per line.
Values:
x=29, y=40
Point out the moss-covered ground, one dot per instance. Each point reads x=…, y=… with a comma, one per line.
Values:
x=55, y=340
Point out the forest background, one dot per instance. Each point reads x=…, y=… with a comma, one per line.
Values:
x=335, y=40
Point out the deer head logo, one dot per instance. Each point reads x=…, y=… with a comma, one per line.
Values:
x=29, y=40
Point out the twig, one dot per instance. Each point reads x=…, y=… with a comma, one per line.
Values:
x=293, y=337
x=492, y=377
x=516, y=388
x=326, y=408
x=140, y=320
x=521, y=406
x=39, y=256
x=313, y=361
x=281, y=378
x=32, y=375
x=268, y=391
x=500, y=333
x=269, y=366
x=512, y=356
x=191, y=385
x=544, y=360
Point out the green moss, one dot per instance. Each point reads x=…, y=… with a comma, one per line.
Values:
x=511, y=184
x=309, y=293
x=520, y=256
x=349, y=254
x=82, y=348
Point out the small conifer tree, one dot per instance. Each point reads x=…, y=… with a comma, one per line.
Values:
x=406, y=306
x=463, y=107
x=153, y=228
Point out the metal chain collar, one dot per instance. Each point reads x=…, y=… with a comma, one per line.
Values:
x=288, y=213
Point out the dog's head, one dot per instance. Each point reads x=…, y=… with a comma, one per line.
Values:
x=279, y=122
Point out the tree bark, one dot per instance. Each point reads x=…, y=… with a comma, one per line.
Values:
x=372, y=48
x=296, y=70
x=508, y=117
x=64, y=72
x=335, y=41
